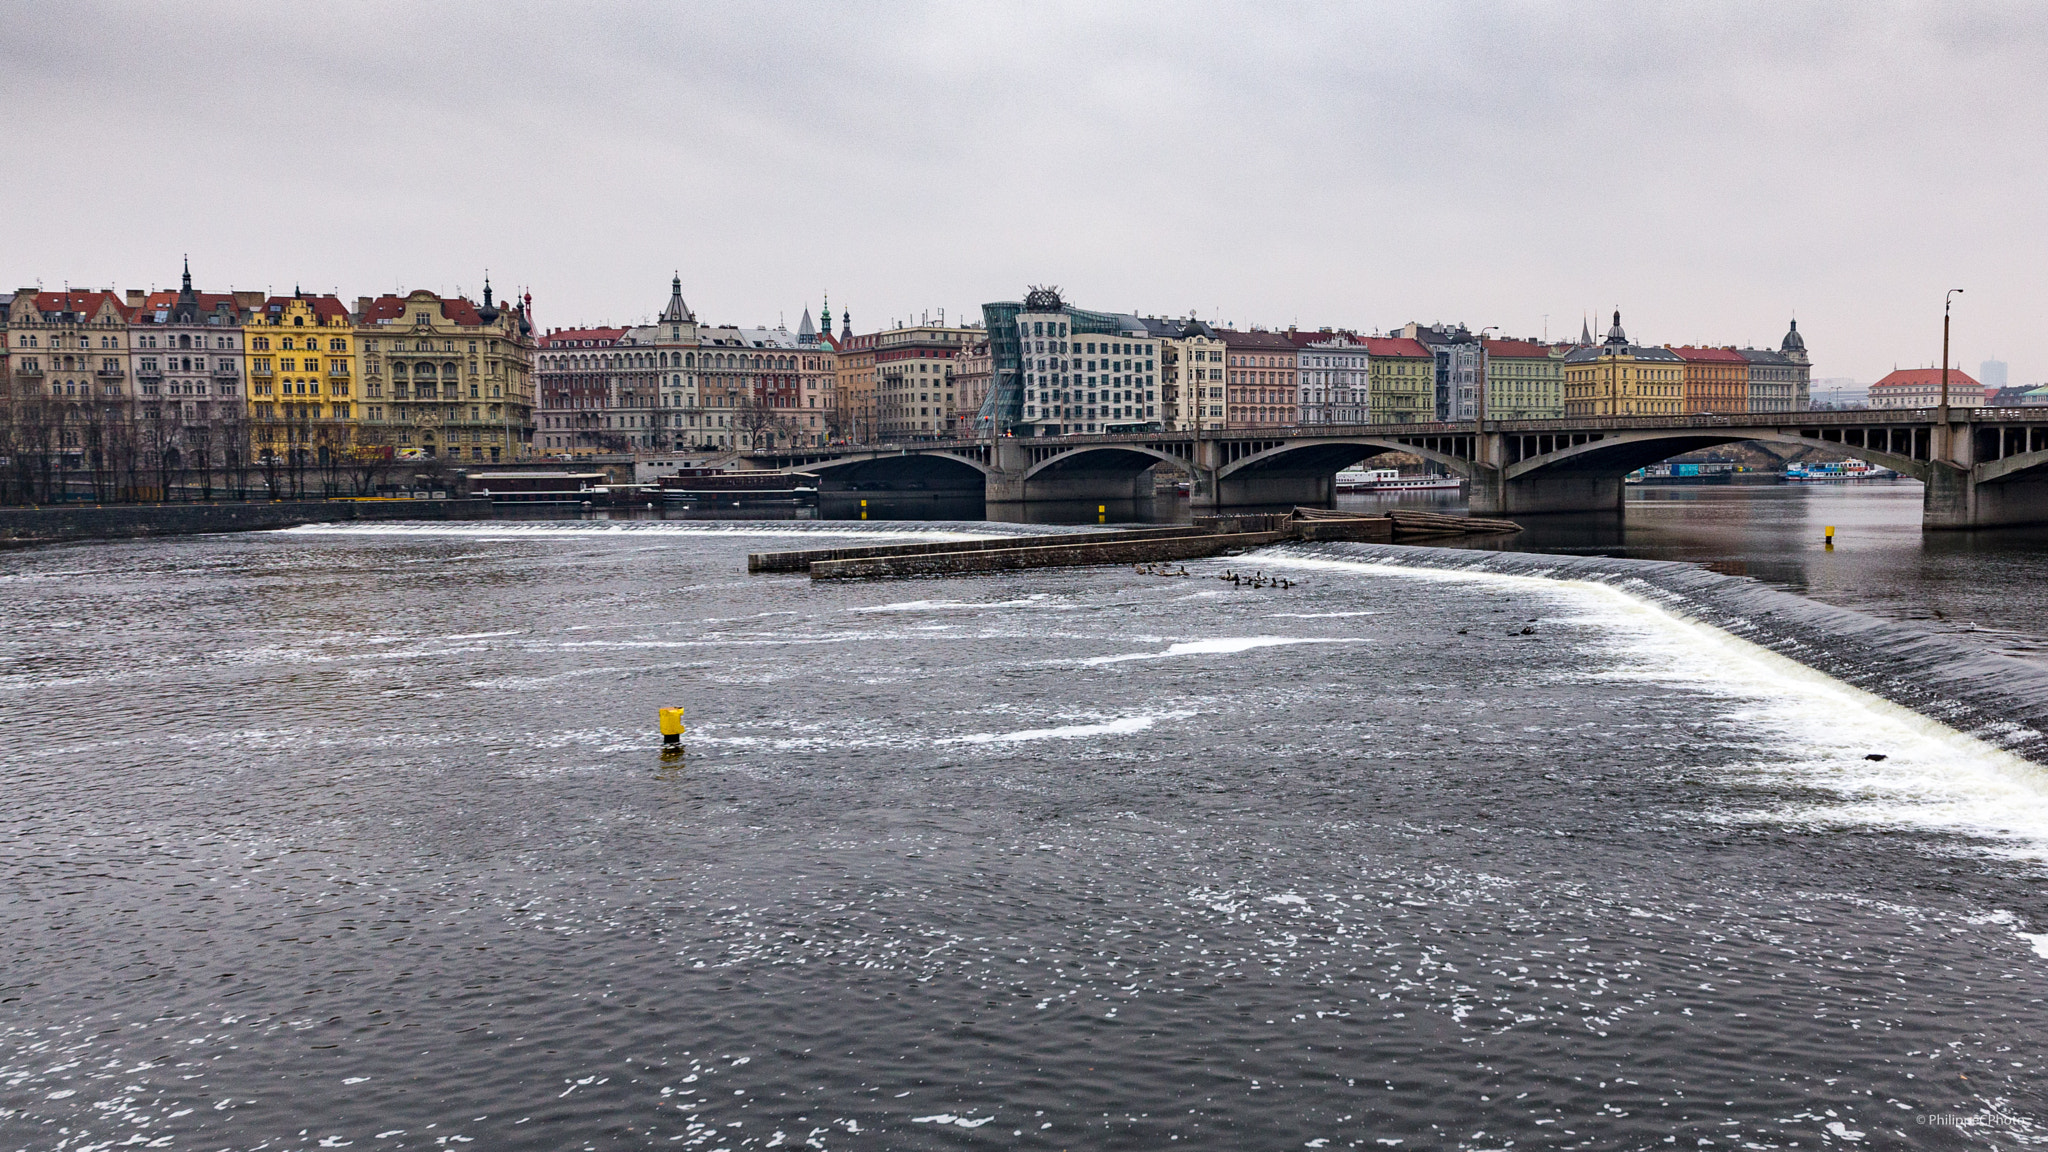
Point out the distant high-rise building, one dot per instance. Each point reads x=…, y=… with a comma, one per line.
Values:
x=1049, y=378
x=1993, y=373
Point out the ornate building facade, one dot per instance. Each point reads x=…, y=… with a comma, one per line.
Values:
x=446, y=378
x=1617, y=378
x=192, y=403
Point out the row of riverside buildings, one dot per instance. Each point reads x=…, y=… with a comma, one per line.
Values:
x=1043, y=367
x=143, y=389
x=160, y=381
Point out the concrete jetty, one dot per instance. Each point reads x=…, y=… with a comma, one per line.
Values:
x=1207, y=536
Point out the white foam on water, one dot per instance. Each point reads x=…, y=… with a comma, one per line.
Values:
x=1220, y=646
x=1817, y=729
x=1121, y=726
x=499, y=531
x=485, y=635
x=1037, y=601
x=1320, y=615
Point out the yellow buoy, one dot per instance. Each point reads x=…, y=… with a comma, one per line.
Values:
x=671, y=725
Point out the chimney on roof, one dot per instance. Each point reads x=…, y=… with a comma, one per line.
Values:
x=135, y=297
x=362, y=305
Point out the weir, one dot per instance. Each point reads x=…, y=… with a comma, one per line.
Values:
x=1982, y=467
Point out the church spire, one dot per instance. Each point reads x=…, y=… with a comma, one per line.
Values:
x=1586, y=331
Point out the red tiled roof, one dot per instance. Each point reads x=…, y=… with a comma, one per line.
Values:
x=1256, y=341
x=1716, y=355
x=1397, y=346
x=80, y=300
x=327, y=307
x=456, y=309
x=574, y=337
x=208, y=301
x=1517, y=349
x=1903, y=377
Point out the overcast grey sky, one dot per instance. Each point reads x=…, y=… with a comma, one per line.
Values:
x=1710, y=168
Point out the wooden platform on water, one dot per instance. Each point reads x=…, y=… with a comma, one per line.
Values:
x=1207, y=536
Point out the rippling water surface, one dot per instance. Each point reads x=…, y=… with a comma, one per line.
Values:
x=364, y=838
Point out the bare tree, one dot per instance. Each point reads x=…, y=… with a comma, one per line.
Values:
x=367, y=463
x=271, y=456
x=234, y=438
x=331, y=449
x=298, y=433
x=161, y=431
x=200, y=453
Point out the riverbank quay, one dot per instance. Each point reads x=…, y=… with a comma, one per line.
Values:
x=51, y=525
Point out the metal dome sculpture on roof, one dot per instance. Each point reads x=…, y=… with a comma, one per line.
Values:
x=489, y=312
x=1043, y=298
x=1793, y=341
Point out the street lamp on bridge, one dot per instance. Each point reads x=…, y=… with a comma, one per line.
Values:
x=1944, y=351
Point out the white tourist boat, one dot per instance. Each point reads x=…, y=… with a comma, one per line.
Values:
x=1391, y=480
x=1839, y=470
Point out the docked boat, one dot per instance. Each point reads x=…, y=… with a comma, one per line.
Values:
x=1837, y=470
x=697, y=484
x=536, y=487
x=1391, y=480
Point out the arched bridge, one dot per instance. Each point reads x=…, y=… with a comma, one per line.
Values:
x=1980, y=466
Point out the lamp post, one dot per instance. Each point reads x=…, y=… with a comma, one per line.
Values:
x=1944, y=351
x=1480, y=408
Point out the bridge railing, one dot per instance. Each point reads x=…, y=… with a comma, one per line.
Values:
x=1806, y=418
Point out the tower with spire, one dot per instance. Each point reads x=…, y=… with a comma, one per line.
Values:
x=186, y=310
x=677, y=312
x=489, y=312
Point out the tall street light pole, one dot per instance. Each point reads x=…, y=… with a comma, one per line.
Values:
x=1481, y=407
x=1944, y=351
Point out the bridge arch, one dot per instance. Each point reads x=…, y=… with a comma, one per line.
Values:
x=2031, y=465
x=1620, y=453
x=1104, y=458
x=897, y=471
x=1328, y=457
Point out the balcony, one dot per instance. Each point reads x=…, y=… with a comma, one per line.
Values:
x=227, y=373
x=28, y=368
x=106, y=373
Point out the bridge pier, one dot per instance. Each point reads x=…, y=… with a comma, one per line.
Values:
x=1955, y=499
x=1493, y=494
x=1251, y=489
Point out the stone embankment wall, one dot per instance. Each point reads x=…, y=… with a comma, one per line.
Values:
x=118, y=521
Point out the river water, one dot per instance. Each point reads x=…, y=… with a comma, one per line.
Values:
x=363, y=837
